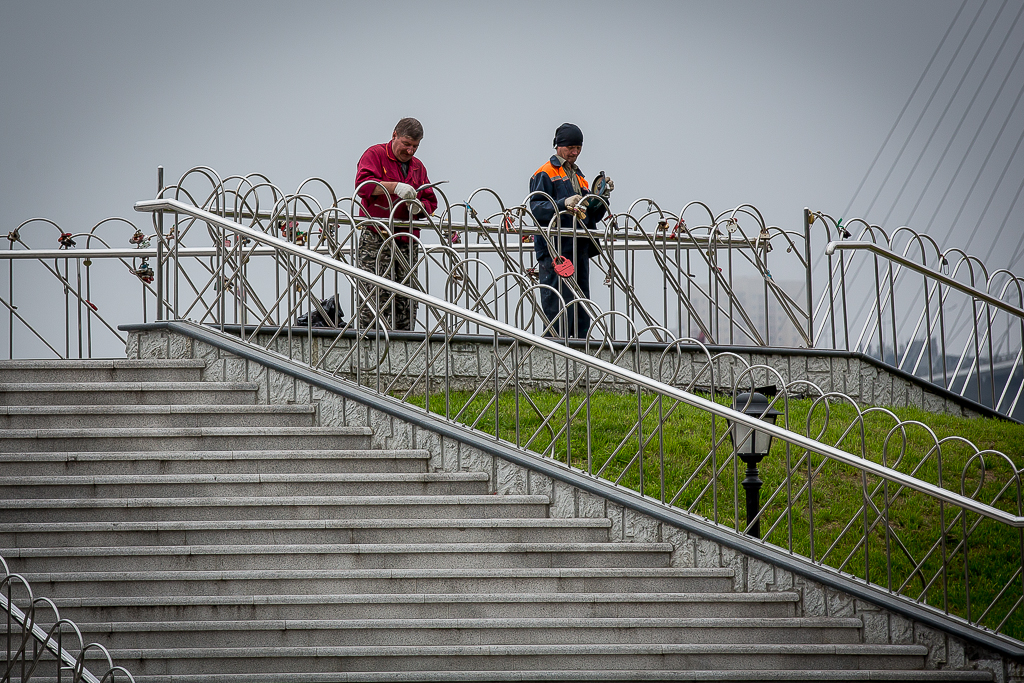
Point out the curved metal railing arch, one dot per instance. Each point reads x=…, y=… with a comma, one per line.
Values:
x=50, y=656
x=721, y=277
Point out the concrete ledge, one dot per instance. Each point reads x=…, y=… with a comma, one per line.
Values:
x=864, y=378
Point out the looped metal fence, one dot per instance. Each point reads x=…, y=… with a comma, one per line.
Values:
x=38, y=648
x=938, y=314
x=852, y=490
x=723, y=278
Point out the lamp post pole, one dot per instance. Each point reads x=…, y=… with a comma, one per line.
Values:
x=751, y=446
x=752, y=485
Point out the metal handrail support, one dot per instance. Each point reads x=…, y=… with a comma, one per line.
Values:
x=67, y=660
x=917, y=267
x=570, y=354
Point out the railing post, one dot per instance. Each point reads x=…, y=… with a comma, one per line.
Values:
x=159, y=247
x=807, y=258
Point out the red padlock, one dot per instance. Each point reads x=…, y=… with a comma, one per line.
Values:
x=563, y=266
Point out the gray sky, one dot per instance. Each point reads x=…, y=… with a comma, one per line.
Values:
x=780, y=104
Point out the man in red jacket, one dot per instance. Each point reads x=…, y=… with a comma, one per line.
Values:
x=398, y=175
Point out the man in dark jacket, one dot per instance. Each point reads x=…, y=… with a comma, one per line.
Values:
x=561, y=180
x=398, y=174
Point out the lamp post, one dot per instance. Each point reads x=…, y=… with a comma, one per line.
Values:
x=751, y=446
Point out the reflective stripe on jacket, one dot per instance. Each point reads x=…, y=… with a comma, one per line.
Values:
x=553, y=180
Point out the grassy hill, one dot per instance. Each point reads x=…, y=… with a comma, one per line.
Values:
x=836, y=514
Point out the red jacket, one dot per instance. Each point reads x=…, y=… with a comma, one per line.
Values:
x=379, y=163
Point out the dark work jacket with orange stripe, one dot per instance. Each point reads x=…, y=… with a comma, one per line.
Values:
x=552, y=179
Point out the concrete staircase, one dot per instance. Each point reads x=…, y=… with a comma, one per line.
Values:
x=201, y=537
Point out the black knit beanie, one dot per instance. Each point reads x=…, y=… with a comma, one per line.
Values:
x=568, y=135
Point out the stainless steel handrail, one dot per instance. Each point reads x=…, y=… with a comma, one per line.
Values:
x=629, y=234
x=640, y=380
x=48, y=642
x=910, y=264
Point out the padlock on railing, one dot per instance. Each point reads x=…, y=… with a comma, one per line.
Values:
x=563, y=266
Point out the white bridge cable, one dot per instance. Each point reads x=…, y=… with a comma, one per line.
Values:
x=856, y=270
x=903, y=111
x=924, y=111
x=963, y=118
x=942, y=117
x=899, y=118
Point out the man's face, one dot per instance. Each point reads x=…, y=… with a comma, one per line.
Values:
x=569, y=153
x=404, y=147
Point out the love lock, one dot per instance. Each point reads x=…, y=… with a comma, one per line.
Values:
x=144, y=272
x=563, y=267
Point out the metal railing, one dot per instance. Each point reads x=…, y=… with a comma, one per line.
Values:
x=672, y=445
x=696, y=273
x=940, y=315
x=35, y=648
x=692, y=274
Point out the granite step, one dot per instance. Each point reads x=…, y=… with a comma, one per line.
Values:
x=127, y=393
x=205, y=485
x=294, y=532
x=102, y=370
x=279, y=507
x=629, y=657
x=336, y=582
x=155, y=416
x=585, y=675
x=182, y=439
x=341, y=556
x=543, y=605
x=214, y=462
x=328, y=632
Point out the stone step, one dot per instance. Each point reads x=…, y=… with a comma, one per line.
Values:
x=126, y=393
x=182, y=439
x=584, y=675
x=257, y=485
x=102, y=370
x=293, y=532
x=471, y=631
x=676, y=656
x=213, y=462
x=396, y=581
x=203, y=538
x=280, y=507
x=341, y=556
x=155, y=416
x=428, y=606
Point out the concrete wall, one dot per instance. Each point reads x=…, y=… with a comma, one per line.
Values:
x=471, y=357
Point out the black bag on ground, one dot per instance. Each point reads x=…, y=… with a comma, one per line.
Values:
x=335, y=316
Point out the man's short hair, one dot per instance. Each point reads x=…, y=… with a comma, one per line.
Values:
x=409, y=128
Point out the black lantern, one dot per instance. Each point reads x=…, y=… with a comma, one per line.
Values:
x=751, y=446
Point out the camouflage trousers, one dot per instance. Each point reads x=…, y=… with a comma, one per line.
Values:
x=397, y=312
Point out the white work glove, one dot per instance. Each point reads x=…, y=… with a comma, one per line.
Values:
x=571, y=202
x=405, y=191
x=417, y=210
x=609, y=186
